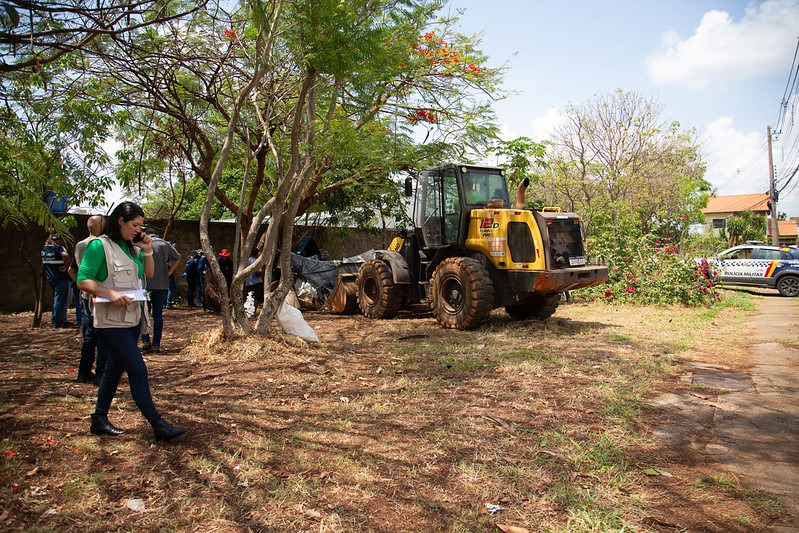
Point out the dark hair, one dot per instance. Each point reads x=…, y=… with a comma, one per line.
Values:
x=128, y=211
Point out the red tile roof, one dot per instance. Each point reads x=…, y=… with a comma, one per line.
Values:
x=737, y=203
x=787, y=228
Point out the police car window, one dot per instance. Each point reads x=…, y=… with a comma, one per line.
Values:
x=745, y=253
x=761, y=253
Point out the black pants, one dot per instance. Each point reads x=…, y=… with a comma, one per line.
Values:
x=124, y=356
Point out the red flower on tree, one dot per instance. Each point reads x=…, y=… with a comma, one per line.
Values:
x=423, y=115
x=443, y=55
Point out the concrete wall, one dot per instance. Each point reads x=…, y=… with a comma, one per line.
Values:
x=21, y=275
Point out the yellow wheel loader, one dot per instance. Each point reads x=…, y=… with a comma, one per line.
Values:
x=471, y=251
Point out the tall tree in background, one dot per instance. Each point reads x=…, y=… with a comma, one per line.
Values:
x=623, y=168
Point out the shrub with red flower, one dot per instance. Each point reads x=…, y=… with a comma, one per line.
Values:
x=651, y=270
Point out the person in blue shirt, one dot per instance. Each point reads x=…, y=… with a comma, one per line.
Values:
x=191, y=275
x=55, y=261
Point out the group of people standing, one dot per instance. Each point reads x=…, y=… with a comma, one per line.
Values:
x=196, y=271
x=113, y=267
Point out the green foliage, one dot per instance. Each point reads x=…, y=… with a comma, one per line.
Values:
x=53, y=129
x=649, y=270
x=522, y=156
x=388, y=95
x=708, y=243
x=746, y=227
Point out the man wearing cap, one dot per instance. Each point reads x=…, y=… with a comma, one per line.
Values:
x=226, y=266
x=165, y=259
x=55, y=260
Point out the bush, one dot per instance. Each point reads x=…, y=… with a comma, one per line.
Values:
x=650, y=271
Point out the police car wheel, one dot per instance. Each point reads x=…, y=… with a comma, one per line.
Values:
x=788, y=286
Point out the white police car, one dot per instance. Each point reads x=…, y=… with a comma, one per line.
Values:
x=760, y=265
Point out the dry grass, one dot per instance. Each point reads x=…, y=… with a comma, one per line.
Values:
x=384, y=426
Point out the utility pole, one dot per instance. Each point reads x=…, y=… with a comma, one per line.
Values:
x=772, y=194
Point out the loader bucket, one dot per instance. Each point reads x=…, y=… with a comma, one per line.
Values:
x=344, y=299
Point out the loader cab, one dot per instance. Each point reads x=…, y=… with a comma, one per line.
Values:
x=446, y=195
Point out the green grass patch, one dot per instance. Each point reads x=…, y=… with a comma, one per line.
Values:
x=766, y=503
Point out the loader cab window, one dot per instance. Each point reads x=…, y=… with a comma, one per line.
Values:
x=428, y=215
x=482, y=187
x=438, y=208
x=452, y=206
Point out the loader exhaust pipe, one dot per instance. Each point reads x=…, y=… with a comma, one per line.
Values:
x=520, y=193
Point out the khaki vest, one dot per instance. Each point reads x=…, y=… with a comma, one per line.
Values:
x=123, y=274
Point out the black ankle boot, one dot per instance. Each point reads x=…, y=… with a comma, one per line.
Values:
x=85, y=378
x=101, y=426
x=165, y=431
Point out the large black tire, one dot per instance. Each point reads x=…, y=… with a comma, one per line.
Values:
x=540, y=307
x=788, y=286
x=462, y=293
x=378, y=297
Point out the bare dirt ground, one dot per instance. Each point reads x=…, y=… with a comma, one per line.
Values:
x=391, y=425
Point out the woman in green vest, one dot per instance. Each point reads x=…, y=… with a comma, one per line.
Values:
x=110, y=271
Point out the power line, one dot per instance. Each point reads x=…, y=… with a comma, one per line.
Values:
x=790, y=88
x=786, y=182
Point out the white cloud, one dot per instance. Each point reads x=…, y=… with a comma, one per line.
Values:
x=736, y=162
x=724, y=50
x=543, y=127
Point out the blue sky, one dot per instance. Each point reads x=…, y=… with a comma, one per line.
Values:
x=719, y=67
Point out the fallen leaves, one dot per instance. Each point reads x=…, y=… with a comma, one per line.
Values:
x=652, y=471
x=512, y=529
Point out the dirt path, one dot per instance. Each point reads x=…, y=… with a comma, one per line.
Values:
x=756, y=435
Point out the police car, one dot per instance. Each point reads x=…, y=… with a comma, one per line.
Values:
x=760, y=265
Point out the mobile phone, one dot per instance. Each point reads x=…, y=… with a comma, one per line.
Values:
x=138, y=237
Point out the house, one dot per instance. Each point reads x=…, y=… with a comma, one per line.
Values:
x=788, y=232
x=719, y=208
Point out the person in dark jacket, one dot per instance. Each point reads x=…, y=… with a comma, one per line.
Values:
x=192, y=276
x=55, y=261
x=226, y=266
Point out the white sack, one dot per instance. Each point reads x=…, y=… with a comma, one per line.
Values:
x=290, y=319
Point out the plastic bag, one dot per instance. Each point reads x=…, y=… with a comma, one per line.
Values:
x=305, y=292
x=290, y=319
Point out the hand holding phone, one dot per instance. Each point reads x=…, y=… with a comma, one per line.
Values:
x=138, y=237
